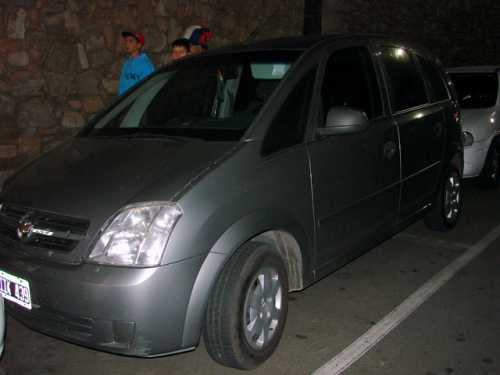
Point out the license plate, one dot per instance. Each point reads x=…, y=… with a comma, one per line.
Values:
x=15, y=289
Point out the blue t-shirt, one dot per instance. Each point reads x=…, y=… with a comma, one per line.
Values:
x=134, y=70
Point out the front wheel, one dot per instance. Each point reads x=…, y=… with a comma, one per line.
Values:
x=448, y=203
x=247, y=308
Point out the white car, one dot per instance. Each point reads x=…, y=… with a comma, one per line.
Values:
x=478, y=92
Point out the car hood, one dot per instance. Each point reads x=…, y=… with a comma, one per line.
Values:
x=92, y=178
x=478, y=122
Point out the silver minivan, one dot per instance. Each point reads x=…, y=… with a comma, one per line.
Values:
x=197, y=201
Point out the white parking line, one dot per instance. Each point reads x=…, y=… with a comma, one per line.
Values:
x=370, y=338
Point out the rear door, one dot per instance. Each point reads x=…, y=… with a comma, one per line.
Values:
x=355, y=176
x=421, y=128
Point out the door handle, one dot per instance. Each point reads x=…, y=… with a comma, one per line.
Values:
x=389, y=149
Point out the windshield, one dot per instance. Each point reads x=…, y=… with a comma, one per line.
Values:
x=212, y=98
x=476, y=90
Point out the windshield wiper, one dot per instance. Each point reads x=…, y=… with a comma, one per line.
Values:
x=156, y=136
x=141, y=135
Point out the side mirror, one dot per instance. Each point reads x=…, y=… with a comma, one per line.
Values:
x=344, y=120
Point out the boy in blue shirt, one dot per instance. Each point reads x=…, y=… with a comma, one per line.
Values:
x=137, y=65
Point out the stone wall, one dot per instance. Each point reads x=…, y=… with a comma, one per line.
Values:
x=459, y=32
x=60, y=59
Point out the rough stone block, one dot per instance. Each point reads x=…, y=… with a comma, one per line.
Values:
x=72, y=22
x=88, y=83
x=7, y=105
x=29, y=88
x=36, y=113
x=29, y=145
x=110, y=35
x=156, y=41
x=60, y=84
x=63, y=58
x=10, y=45
x=92, y=104
x=110, y=85
x=174, y=30
x=36, y=56
x=75, y=104
x=8, y=151
x=100, y=57
x=35, y=21
x=93, y=38
x=106, y=4
x=41, y=41
x=18, y=59
x=82, y=57
x=72, y=120
x=54, y=6
x=55, y=22
x=25, y=3
x=16, y=28
x=8, y=133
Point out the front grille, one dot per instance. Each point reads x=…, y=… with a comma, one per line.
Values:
x=49, y=231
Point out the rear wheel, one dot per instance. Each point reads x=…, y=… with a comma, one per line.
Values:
x=490, y=173
x=247, y=309
x=448, y=203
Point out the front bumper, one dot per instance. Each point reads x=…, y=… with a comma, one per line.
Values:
x=131, y=311
x=474, y=158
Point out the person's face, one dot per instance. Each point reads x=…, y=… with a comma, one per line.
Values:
x=131, y=46
x=178, y=52
x=196, y=49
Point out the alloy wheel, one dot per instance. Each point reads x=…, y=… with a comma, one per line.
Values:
x=262, y=310
x=452, y=197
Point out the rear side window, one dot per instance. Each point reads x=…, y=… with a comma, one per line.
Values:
x=350, y=81
x=407, y=88
x=288, y=127
x=436, y=82
x=476, y=90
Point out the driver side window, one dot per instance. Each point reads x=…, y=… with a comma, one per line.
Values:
x=350, y=81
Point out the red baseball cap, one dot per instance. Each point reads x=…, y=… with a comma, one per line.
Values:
x=138, y=36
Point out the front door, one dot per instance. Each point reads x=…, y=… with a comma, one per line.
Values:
x=355, y=176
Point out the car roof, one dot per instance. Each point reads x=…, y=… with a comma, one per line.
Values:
x=474, y=69
x=298, y=43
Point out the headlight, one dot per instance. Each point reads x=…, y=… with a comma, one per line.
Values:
x=137, y=235
x=467, y=138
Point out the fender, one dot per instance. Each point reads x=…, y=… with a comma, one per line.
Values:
x=231, y=240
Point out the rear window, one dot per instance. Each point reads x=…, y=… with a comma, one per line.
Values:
x=436, y=82
x=407, y=87
x=476, y=90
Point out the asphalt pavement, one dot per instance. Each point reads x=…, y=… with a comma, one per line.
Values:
x=455, y=331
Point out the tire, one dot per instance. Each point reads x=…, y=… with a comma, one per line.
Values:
x=490, y=174
x=448, y=203
x=237, y=308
